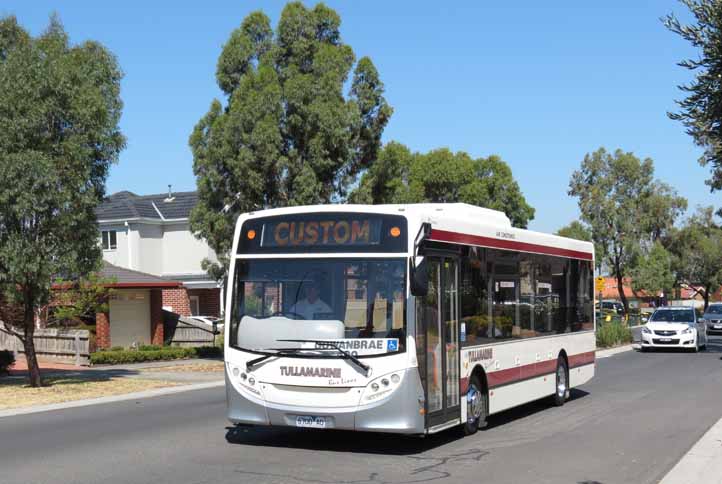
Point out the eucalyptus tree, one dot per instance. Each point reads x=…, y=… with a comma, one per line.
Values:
x=59, y=112
x=626, y=209
x=701, y=111
x=287, y=133
x=440, y=175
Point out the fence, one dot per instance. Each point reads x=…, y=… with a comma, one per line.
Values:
x=182, y=331
x=62, y=345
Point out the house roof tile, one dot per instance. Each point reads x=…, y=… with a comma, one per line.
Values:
x=123, y=205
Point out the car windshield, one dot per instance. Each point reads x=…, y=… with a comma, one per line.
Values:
x=673, y=316
x=358, y=303
x=714, y=309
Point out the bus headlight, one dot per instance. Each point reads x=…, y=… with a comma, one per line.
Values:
x=382, y=387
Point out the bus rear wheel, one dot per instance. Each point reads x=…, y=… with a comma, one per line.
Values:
x=477, y=406
x=561, y=390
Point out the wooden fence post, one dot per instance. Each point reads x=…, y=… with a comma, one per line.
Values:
x=77, y=349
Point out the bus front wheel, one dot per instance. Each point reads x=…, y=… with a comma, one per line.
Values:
x=477, y=405
x=561, y=390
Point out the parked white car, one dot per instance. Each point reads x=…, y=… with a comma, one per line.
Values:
x=674, y=327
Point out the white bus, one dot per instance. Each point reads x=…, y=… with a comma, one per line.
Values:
x=401, y=318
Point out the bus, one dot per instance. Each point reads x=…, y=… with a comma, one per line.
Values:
x=401, y=318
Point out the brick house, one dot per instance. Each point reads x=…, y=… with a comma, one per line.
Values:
x=151, y=234
x=135, y=309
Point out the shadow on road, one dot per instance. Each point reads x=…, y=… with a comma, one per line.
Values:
x=372, y=443
x=529, y=409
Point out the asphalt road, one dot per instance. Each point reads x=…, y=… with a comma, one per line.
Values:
x=631, y=424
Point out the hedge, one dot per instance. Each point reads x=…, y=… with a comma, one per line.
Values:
x=7, y=358
x=613, y=333
x=115, y=357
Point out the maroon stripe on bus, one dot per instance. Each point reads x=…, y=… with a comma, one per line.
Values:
x=582, y=359
x=526, y=372
x=468, y=239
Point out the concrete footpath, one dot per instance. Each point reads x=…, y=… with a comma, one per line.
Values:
x=703, y=463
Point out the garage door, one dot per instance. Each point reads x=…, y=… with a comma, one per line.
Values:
x=129, y=318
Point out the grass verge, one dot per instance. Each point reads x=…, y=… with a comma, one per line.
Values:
x=16, y=393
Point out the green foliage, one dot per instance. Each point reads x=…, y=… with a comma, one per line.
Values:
x=288, y=134
x=59, y=112
x=399, y=176
x=697, y=253
x=699, y=111
x=116, y=357
x=653, y=271
x=7, y=359
x=576, y=230
x=625, y=207
x=149, y=347
x=80, y=300
x=613, y=333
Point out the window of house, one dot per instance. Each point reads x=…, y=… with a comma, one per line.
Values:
x=195, y=305
x=110, y=240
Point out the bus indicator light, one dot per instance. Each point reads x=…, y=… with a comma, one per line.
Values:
x=395, y=231
x=251, y=234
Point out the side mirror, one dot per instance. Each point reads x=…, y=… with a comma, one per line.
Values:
x=419, y=278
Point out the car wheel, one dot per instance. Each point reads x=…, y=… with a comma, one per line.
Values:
x=477, y=407
x=561, y=390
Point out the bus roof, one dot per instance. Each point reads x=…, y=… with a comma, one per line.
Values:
x=458, y=223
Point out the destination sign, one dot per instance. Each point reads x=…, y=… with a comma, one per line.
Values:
x=319, y=232
x=356, y=231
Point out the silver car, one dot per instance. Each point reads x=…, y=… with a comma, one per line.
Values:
x=713, y=318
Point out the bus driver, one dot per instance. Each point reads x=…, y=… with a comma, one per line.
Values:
x=311, y=305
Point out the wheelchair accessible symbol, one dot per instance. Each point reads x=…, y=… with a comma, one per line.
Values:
x=392, y=345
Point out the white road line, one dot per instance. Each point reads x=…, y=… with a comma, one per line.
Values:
x=703, y=463
x=116, y=398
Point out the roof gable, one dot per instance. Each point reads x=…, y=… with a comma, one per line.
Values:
x=126, y=205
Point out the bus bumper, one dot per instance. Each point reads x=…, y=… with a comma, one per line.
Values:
x=398, y=413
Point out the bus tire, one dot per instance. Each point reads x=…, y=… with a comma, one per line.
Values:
x=561, y=388
x=477, y=405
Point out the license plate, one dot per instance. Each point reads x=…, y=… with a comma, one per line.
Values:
x=718, y=326
x=312, y=422
x=665, y=340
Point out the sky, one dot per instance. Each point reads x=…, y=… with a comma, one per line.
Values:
x=538, y=83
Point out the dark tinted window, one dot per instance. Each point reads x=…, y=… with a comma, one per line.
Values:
x=507, y=295
x=476, y=327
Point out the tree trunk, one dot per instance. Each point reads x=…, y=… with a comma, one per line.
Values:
x=706, y=298
x=620, y=288
x=29, y=343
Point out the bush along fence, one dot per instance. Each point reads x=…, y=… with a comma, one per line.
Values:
x=613, y=333
x=116, y=356
x=59, y=344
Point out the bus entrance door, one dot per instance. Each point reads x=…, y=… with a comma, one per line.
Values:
x=440, y=312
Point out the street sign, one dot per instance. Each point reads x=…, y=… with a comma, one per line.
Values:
x=599, y=284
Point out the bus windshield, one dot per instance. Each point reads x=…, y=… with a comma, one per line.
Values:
x=358, y=303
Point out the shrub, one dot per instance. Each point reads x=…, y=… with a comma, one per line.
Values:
x=149, y=347
x=7, y=359
x=116, y=357
x=613, y=333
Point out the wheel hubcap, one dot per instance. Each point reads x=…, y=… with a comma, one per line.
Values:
x=473, y=404
x=561, y=381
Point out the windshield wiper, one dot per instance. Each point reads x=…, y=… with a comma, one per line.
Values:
x=332, y=344
x=277, y=352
